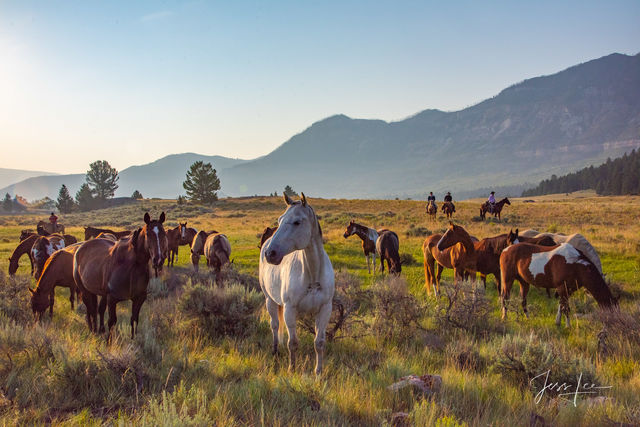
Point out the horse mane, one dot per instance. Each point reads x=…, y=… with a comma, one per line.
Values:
x=494, y=244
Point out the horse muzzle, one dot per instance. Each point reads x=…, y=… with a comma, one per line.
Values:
x=273, y=257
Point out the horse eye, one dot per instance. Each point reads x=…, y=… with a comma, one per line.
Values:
x=296, y=223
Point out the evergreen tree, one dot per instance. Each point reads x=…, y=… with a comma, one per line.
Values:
x=137, y=195
x=202, y=183
x=102, y=180
x=84, y=198
x=65, y=203
x=289, y=191
x=7, y=203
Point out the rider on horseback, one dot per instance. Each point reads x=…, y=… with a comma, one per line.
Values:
x=53, y=219
x=492, y=201
x=431, y=199
x=449, y=199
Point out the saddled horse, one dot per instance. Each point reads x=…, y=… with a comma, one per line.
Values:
x=369, y=236
x=119, y=270
x=448, y=209
x=497, y=208
x=576, y=240
x=297, y=277
x=57, y=271
x=432, y=210
x=42, y=249
x=388, y=247
x=90, y=232
x=217, y=251
x=50, y=228
x=561, y=267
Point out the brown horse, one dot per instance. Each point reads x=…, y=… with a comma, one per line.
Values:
x=186, y=234
x=173, y=243
x=561, y=267
x=119, y=270
x=369, y=237
x=217, y=251
x=448, y=209
x=24, y=247
x=197, y=247
x=57, y=271
x=50, y=228
x=388, y=247
x=432, y=210
x=90, y=232
x=497, y=208
x=42, y=249
x=266, y=233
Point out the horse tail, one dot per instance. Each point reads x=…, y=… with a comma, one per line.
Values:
x=281, y=324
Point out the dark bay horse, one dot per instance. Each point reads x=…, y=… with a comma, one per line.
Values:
x=90, y=232
x=266, y=233
x=186, y=234
x=119, y=270
x=369, y=237
x=24, y=247
x=448, y=209
x=486, y=207
x=388, y=247
x=561, y=267
x=173, y=243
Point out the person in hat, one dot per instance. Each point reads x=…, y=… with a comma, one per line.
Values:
x=432, y=198
x=492, y=201
x=449, y=199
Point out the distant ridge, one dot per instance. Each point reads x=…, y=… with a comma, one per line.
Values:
x=10, y=176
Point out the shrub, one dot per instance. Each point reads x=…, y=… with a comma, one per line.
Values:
x=397, y=313
x=414, y=231
x=406, y=259
x=222, y=311
x=14, y=298
x=466, y=307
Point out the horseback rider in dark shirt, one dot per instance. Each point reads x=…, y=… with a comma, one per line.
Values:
x=449, y=199
x=432, y=198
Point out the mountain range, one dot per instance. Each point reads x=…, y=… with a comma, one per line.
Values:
x=541, y=126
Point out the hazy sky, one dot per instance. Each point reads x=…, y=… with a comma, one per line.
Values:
x=133, y=81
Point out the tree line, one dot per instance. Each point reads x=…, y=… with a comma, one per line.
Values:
x=614, y=177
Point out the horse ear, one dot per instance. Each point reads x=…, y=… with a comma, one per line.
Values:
x=32, y=291
x=134, y=238
x=516, y=232
x=147, y=218
x=162, y=218
x=303, y=199
x=451, y=224
x=287, y=200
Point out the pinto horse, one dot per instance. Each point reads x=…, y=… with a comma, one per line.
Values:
x=369, y=237
x=297, y=277
x=42, y=249
x=119, y=271
x=497, y=208
x=57, y=271
x=217, y=251
x=432, y=210
x=388, y=246
x=561, y=267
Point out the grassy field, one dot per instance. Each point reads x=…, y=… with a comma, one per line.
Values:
x=188, y=366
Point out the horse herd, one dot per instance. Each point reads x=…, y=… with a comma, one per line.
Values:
x=295, y=272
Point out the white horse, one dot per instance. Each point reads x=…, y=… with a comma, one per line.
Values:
x=296, y=276
x=576, y=240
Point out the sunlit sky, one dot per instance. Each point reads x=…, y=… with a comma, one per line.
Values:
x=133, y=81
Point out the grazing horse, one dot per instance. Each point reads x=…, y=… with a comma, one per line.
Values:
x=497, y=208
x=42, y=249
x=119, y=270
x=49, y=227
x=197, y=248
x=576, y=240
x=561, y=267
x=266, y=233
x=432, y=210
x=369, y=237
x=24, y=247
x=388, y=246
x=447, y=208
x=217, y=251
x=57, y=271
x=173, y=243
x=297, y=277
x=451, y=257
x=26, y=233
x=186, y=234
x=90, y=232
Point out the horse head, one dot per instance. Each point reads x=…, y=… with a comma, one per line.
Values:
x=453, y=235
x=512, y=238
x=155, y=241
x=506, y=200
x=350, y=230
x=183, y=230
x=296, y=228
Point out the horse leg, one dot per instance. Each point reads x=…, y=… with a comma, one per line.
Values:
x=374, y=262
x=290, y=321
x=381, y=264
x=427, y=274
x=322, y=319
x=52, y=298
x=368, y=263
x=90, y=302
x=524, y=289
x=273, y=310
x=438, y=276
x=113, y=318
x=136, y=304
x=506, y=283
x=101, y=309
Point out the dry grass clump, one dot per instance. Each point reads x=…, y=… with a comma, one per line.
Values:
x=465, y=307
x=407, y=259
x=396, y=312
x=14, y=298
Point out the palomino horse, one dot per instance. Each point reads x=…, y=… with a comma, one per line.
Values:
x=217, y=251
x=561, y=267
x=447, y=208
x=484, y=256
x=119, y=270
x=50, y=228
x=57, y=271
x=388, y=247
x=297, y=277
x=173, y=243
x=576, y=240
x=90, y=232
x=432, y=210
x=42, y=249
x=369, y=237
x=497, y=208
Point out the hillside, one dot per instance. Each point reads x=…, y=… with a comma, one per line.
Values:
x=10, y=176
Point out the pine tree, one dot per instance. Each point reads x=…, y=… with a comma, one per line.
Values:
x=7, y=203
x=290, y=191
x=102, y=180
x=65, y=203
x=84, y=198
x=137, y=195
x=202, y=183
